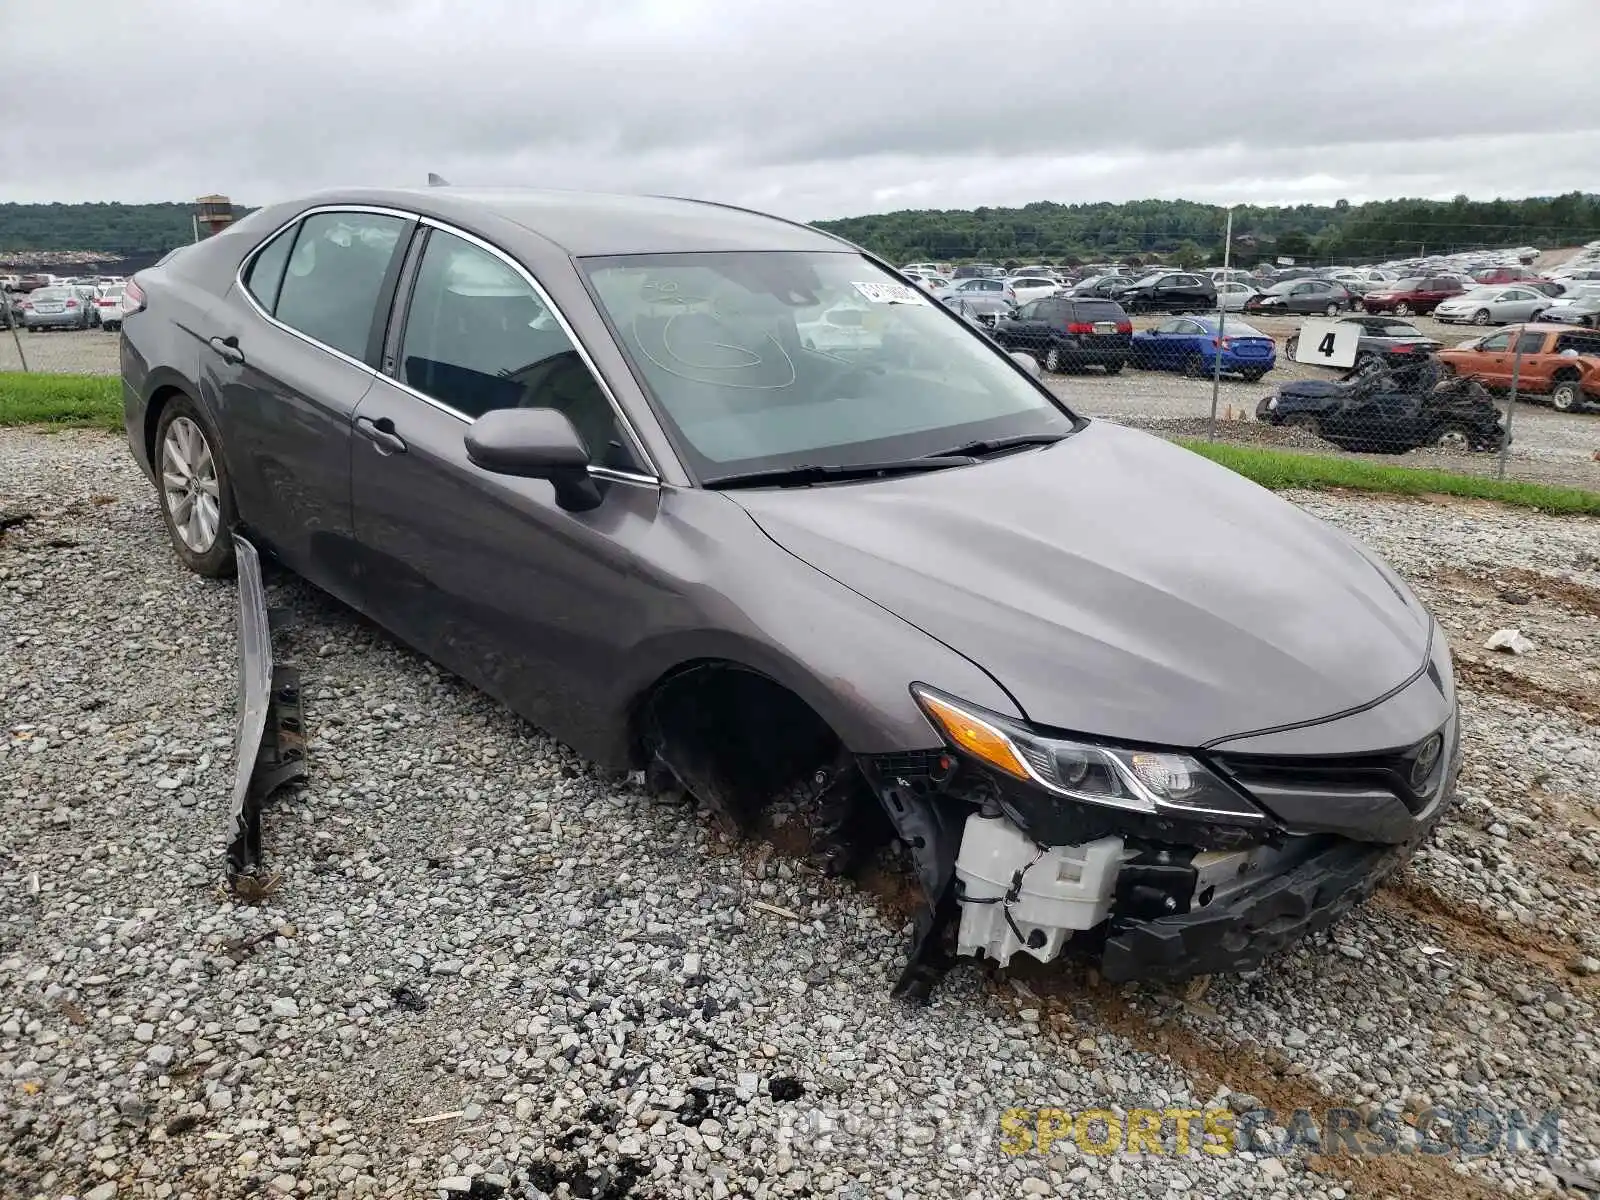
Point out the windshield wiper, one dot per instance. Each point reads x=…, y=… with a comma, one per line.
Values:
x=994, y=445
x=809, y=473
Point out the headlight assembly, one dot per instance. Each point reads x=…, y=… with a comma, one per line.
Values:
x=1157, y=782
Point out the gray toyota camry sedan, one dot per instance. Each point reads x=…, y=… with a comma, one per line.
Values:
x=722, y=498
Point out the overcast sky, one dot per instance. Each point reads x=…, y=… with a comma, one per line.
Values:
x=813, y=109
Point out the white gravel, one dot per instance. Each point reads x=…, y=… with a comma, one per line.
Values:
x=488, y=969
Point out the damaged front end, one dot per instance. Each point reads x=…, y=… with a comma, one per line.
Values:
x=1162, y=864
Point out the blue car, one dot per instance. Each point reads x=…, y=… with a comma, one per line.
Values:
x=1191, y=344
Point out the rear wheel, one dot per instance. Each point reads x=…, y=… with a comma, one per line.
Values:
x=1566, y=396
x=196, y=498
x=1451, y=436
x=1053, y=361
x=1114, y=368
x=1332, y=310
x=1194, y=365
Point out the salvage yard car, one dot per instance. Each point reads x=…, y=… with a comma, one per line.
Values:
x=1555, y=362
x=573, y=448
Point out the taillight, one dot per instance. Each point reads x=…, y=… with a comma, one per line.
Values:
x=72, y=304
x=1124, y=326
x=1226, y=343
x=133, y=298
x=1080, y=327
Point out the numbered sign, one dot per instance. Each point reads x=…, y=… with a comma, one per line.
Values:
x=1325, y=343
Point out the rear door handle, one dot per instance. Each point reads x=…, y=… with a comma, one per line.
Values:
x=381, y=434
x=228, y=348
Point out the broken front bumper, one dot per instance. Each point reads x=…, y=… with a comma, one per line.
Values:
x=270, y=749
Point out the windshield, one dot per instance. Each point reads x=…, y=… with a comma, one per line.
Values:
x=1238, y=329
x=767, y=360
x=1398, y=330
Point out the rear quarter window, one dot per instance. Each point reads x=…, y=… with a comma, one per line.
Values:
x=1583, y=343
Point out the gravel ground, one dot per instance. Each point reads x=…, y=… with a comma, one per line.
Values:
x=489, y=970
x=64, y=351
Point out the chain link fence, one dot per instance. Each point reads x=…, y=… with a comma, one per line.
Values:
x=1427, y=370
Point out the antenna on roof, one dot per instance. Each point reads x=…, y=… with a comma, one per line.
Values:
x=437, y=180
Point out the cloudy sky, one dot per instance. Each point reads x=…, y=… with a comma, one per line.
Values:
x=815, y=109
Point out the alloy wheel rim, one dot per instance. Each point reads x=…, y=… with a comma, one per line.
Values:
x=189, y=484
x=1452, y=439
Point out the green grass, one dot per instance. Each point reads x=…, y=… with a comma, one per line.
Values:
x=72, y=401
x=1279, y=469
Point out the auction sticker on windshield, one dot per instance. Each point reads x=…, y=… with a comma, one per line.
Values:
x=890, y=293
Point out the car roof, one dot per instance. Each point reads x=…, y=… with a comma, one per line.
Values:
x=599, y=223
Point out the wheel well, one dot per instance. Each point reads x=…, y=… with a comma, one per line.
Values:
x=1563, y=374
x=748, y=730
x=152, y=420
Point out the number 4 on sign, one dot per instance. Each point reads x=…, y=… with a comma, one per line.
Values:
x=1327, y=343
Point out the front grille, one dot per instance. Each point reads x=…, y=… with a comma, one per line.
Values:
x=1396, y=772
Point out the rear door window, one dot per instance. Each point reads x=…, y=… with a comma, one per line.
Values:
x=334, y=276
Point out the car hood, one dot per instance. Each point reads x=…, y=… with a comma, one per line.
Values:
x=1118, y=585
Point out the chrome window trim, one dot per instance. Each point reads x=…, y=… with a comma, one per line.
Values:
x=623, y=421
x=249, y=260
x=378, y=210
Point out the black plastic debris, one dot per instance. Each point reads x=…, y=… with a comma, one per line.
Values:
x=785, y=1087
x=407, y=999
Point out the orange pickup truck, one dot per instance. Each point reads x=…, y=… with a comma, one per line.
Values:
x=1558, y=361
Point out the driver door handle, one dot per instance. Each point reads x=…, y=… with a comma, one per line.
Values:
x=381, y=434
x=228, y=348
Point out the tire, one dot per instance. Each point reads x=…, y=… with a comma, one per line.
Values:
x=1481, y=317
x=1053, y=362
x=1114, y=368
x=1448, y=370
x=1194, y=366
x=1567, y=396
x=1451, y=436
x=1254, y=375
x=1332, y=310
x=1290, y=346
x=186, y=452
x=1364, y=360
x=1402, y=309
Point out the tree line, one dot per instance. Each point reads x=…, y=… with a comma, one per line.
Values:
x=1192, y=234
x=119, y=229
x=1172, y=230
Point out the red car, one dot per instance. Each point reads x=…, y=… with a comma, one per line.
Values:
x=1499, y=275
x=1416, y=295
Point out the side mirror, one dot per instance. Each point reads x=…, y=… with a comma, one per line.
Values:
x=1027, y=362
x=535, y=443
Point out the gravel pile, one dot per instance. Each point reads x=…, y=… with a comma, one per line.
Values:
x=488, y=970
